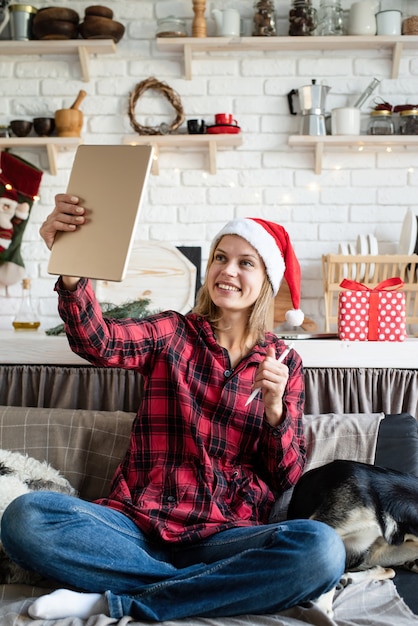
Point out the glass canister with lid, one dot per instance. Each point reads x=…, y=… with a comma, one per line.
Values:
x=302, y=18
x=264, y=20
x=171, y=26
x=330, y=18
x=410, y=17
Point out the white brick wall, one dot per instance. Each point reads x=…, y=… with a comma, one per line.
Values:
x=356, y=192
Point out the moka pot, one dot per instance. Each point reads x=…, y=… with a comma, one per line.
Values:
x=312, y=107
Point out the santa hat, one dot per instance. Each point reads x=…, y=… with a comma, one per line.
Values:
x=273, y=244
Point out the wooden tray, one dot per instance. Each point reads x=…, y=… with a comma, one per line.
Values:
x=369, y=270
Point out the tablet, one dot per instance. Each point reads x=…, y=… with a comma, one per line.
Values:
x=110, y=182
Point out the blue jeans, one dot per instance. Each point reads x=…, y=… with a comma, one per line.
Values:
x=254, y=570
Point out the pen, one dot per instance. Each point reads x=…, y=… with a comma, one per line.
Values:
x=279, y=360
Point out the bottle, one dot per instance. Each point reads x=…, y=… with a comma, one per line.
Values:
x=26, y=318
x=264, y=19
x=330, y=18
x=302, y=18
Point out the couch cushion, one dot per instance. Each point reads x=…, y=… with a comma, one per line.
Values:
x=397, y=443
x=332, y=436
x=86, y=446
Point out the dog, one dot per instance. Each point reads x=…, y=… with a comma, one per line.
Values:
x=19, y=474
x=373, y=509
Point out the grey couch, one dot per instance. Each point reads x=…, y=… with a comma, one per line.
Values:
x=87, y=446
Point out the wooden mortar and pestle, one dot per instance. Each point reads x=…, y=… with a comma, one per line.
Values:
x=69, y=122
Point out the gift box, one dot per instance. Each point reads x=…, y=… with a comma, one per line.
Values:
x=371, y=314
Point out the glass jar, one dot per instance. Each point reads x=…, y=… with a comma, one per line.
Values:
x=264, y=19
x=330, y=18
x=171, y=27
x=302, y=18
x=408, y=122
x=410, y=25
x=4, y=131
x=381, y=123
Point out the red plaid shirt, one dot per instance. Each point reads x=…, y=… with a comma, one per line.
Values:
x=199, y=461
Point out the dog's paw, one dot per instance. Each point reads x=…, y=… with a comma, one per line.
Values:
x=381, y=573
x=324, y=602
x=375, y=573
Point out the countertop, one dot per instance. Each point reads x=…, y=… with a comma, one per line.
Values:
x=26, y=348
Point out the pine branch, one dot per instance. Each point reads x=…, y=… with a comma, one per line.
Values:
x=137, y=309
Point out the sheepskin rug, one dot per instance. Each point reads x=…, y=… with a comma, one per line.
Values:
x=21, y=474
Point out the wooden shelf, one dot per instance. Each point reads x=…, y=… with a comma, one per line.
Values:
x=211, y=143
x=84, y=48
x=190, y=45
x=52, y=145
x=359, y=142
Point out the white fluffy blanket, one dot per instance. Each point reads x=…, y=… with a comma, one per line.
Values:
x=20, y=474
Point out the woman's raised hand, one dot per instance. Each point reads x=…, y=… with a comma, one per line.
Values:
x=67, y=216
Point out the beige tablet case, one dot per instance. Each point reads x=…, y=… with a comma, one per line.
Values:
x=110, y=182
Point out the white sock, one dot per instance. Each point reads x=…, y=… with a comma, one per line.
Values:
x=65, y=603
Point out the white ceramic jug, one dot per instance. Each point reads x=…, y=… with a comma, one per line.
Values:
x=362, y=17
x=228, y=22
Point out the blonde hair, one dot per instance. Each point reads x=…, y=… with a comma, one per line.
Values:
x=258, y=318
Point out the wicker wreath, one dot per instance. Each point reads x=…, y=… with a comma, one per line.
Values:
x=169, y=94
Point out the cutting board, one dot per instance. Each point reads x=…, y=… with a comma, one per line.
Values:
x=157, y=271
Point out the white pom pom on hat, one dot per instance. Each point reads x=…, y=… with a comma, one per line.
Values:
x=273, y=244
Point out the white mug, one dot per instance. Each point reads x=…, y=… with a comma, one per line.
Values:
x=389, y=22
x=345, y=121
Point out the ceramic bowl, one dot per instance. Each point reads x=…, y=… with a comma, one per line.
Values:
x=99, y=10
x=95, y=27
x=44, y=126
x=55, y=23
x=55, y=29
x=56, y=14
x=21, y=128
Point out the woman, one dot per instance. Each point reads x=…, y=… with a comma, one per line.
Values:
x=184, y=531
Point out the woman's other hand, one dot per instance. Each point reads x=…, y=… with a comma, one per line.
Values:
x=272, y=378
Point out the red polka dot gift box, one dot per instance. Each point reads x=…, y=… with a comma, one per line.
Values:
x=371, y=314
